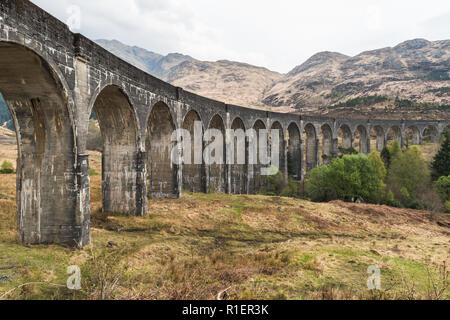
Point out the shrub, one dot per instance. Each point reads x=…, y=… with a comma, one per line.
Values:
x=92, y=172
x=6, y=167
x=346, y=178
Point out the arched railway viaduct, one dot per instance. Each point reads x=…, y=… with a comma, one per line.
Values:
x=52, y=79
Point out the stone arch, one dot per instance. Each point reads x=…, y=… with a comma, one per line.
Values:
x=430, y=134
x=412, y=136
x=394, y=133
x=217, y=170
x=39, y=100
x=294, y=161
x=362, y=144
x=194, y=177
x=162, y=171
x=326, y=137
x=239, y=157
x=281, y=146
x=345, y=137
x=255, y=166
x=311, y=147
x=377, y=138
x=120, y=139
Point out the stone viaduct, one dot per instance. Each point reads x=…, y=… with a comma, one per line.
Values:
x=52, y=79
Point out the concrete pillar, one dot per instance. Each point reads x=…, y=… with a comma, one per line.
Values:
x=83, y=200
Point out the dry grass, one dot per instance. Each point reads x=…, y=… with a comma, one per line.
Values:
x=253, y=247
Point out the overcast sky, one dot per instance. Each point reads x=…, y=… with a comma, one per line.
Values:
x=277, y=34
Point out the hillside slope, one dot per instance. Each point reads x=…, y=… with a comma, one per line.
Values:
x=251, y=247
x=416, y=70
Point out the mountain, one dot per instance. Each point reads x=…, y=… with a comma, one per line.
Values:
x=228, y=81
x=416, y=71
x=154, y=63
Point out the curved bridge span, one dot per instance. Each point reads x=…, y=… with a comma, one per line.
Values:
x=52, y=79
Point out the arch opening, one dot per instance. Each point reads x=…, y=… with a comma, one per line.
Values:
x=377, y=138
x=119, y=150
x=294, y=153
x=326, y=141
x=345, y=137
x=311, y=147
x=412, y=136
x=281, y=147
x=216, y=170
x=256, y=180
x=394, y=133
x=362, y=144
x=194, y=177
x=239, y=158
x=46, y=160
x=430, y=134
x=162, y=171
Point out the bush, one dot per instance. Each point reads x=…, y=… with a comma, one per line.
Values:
x=92, y=172
x=6, y=168
x=348, y=178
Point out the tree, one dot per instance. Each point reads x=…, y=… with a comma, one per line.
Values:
x=386, y=157
x=378, y=163
x=441, y=162
x=346, y=178
x=408, y=176
x=443, y=188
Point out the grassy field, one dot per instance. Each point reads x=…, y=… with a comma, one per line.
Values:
x=238, y=247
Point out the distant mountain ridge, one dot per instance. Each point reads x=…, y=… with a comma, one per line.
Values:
x=416, y=70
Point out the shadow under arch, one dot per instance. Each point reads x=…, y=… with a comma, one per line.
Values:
x=162, y=171
x=39, y=101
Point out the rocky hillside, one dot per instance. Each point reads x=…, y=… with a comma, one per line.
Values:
x=415, y=70
x=228, y=81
